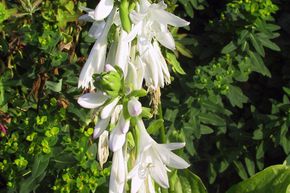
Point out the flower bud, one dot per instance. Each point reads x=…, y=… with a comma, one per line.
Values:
x=110, y=82
x=134, y=107
x=109, y=68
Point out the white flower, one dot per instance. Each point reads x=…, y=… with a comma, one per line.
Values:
x=97, y=57
x=152, y=161
x=118, y=135
x=151, y=21
x=122, y=52
x=151, y=25
x=109, y=112
x=118, y=173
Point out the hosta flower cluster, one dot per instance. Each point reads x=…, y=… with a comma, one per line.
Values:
x=125, y=62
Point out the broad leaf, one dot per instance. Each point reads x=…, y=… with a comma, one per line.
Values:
x=274, y=179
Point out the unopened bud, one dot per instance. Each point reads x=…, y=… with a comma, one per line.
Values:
x=134, y=107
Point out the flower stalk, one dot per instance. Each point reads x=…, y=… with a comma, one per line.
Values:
x=115, y=88
x=124, y=15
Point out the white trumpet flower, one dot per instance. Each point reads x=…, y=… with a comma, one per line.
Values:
x=97, y=57
x=122, y=52
x=153, y=160
x=151, y=21
x=118, y=173
x=151, y=25
x=118, y=135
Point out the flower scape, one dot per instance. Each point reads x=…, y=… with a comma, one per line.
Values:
x=125, y=63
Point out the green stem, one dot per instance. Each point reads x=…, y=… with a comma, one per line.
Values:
x=137, y=138
x=124, y=15
x=162, y=129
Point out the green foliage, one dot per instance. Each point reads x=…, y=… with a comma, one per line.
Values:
x=274, y=179
x=230, y=107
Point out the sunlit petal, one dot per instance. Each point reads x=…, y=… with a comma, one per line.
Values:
x=97, y=29
x=167, y=18
x=100, y=127
x=108, y=109
x=118, y=173
x=92, y=100
x=103, y=9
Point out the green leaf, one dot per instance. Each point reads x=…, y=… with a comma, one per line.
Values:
x=287, y=161
x=286, y=90
x=274, y=179
x=183, y=50
x=155, y=126
x=176, y=67
x=269, y=44
x=240, y=169
x=229, y=48
x=39, y=165
x=250, y=164
x=260, y=151
x=138, y=93
x=54, y=86
x=212, y=119
x=258, y=64
x=92, y=151
x=257, y=45
x=187, y=7
x=70, y=7
x=189, y=183
x=236, y=96
x=205, y=130
x=27, y=185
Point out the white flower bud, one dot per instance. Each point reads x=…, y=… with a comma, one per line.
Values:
x=134, y=107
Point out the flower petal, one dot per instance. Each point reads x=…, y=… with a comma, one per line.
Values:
x=118, y=172
x=166, y=18
x=158, y=170
x=100, y=127
x=87, y=17
x=150, y=185
x=108, y=109
x=162, y=62
x=146, y=141
x=95, y=62
x=136, y=183
x=92, y=100
x=166, y=39
x=103, y=9
x=97, y=29
x=116, y=114
x=117, y=140
x=172, y=146
x=133, y=33
x=118, y=137
x=122, y=54
x=170, y=159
